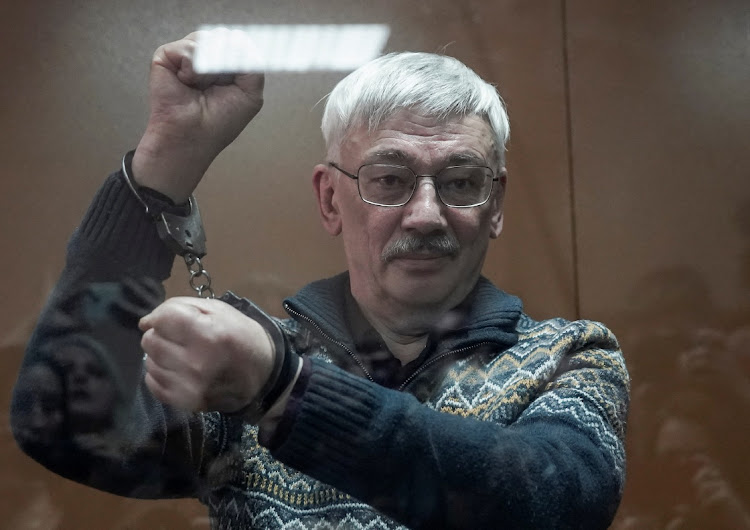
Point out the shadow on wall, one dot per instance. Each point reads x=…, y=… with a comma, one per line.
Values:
x=689, y=424
x=742, y=219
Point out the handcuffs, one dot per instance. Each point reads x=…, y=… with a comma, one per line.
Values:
x=184, y=235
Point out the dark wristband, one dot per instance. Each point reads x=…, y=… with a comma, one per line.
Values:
x=289, y=365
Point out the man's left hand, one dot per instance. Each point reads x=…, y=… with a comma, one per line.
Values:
x=204, y=355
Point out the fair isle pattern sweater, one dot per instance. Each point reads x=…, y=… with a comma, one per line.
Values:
x=492, y=431
x=499, y=390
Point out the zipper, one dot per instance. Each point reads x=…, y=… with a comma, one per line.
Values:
x=436, y=359
x=343, y=346
x=330, y=339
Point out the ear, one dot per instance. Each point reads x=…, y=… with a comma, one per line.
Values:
x=497, y=215
x=324, y=186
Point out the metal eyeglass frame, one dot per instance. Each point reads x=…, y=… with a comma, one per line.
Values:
x=437, y=191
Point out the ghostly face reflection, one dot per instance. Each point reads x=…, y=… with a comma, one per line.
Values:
x=91, y=391
x=46, y=397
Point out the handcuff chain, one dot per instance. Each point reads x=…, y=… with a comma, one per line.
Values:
x=197, y=272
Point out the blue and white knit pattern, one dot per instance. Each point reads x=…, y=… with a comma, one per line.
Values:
x=580, y=361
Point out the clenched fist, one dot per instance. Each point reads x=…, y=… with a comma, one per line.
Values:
x=205, y=355
x=193, y=118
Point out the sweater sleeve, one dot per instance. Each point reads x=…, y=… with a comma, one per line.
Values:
x=560, y=464
x=80, y=406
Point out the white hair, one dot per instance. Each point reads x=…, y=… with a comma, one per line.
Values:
x=435, y=85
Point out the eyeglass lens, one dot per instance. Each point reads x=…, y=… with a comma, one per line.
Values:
x=393, y=185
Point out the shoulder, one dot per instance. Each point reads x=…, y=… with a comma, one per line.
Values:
x=587, y=362
x=578, y=350
x=558, y=352
x=558, y=337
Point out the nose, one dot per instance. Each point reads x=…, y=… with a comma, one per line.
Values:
x=424, y=212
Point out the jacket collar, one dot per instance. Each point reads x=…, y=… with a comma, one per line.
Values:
x=487, y=315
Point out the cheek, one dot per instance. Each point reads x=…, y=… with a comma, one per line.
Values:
x=364, y=244
x=473, y=234
x=368, y=228
x=470, y=226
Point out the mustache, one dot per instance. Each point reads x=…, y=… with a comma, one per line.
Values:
x=437, y=243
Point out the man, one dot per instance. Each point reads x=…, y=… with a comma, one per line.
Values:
x=408, y=391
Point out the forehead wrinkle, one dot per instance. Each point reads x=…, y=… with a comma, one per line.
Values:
x=385, y=144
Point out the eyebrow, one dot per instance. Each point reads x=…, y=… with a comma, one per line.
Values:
x=397, y=156
x=466, y=158
x=388, y=155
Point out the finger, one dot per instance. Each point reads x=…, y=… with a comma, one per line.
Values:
x=178, y=57
x=155, y=387
x=251, y=83
x=187, y=75
x=170, y=393
x=165, y=354
x=163, y=378
x=232, y=56
x=176, y=319
x=174, y=55
x=172, y=386
x=145, y=323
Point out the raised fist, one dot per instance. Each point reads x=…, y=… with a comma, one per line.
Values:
x=193, y=117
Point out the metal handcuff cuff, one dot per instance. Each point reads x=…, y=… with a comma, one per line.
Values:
x=184, y=236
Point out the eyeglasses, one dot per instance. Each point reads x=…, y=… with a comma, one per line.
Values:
x=456, y=186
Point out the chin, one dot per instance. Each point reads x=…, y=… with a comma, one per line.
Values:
x=424, y=290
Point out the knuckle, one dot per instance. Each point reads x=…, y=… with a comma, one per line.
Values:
x=195, y=373
x=148, y=341
x=218, y=332
x=220, y=336
x=158, y=54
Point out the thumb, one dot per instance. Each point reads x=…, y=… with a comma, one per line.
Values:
x=144, y=324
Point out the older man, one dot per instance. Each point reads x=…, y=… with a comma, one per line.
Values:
x=408, y=391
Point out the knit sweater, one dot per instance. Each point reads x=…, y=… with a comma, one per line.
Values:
x=507, y=423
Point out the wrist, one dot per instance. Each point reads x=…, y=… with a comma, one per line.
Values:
x=173, y=169
x=285, y=362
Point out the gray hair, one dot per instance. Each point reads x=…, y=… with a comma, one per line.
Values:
x=436, y=85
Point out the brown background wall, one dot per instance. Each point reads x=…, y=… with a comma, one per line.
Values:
x=628, y=202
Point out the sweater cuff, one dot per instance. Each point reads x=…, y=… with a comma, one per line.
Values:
x=335, y=410
x=117, y=227
x=279, y=435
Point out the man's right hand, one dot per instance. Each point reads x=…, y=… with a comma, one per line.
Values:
x=193, y=118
